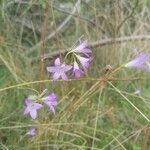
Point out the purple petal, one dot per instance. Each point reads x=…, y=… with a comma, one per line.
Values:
x=57, y=62
x=31, y=132
x=82, y=45
x=26, y=111
x=37, y=106
x=28, y=101
x=84, y=62
x=52, y=108
x=51, y=69
x=50, y=102
x=51, y=99
x=56, y=76
x=67, y=68
x=82, y=48
x=87, y=50
x=64, y=77
x=33, y=114
x=77, y=71
x=138, y=61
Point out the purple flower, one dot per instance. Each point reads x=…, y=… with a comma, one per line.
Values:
x=85, y=62
x=77, y=71
x=59, y=70
x=31, y=132
x=51, y=101
x=139, y=62
x=82, y=48
x=31, y=108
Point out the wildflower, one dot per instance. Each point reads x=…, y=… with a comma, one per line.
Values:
x=85, y=62
x=31, y=132
x=82, y=48
x=31, y=108
x=51, y=101
x=59, y=70
x=138, y=92
x=139, y=62
x=77, y=71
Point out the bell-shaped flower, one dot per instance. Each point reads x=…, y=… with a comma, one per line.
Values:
x=59, y=70
x=31, y=108
x=82, y=48
x=31, y=132
x=85, y=62
x=51, y=101
x=140, y=62
x=77, y=71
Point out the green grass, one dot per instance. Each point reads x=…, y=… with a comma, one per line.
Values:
x=91, y=115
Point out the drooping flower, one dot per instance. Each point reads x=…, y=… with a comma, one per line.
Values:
x=139, y=62
x=77, y=71
x=59, y=70
x=31, y=132
x=138, y=92
x=85, y=62
x=82, y=48
x=51, y=101
x=31, y=108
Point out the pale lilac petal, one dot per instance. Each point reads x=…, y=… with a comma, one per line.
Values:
x=67, y=68
x=54, y=103
x=64, y=77
x=52, y=109
x=57, y=62
x=87, y=50
x=82, y=48
x=56, y=76
x=84, y=62
x=51, y=69
x=59, y=70
x=37, y=106
x=51, y=101
x=77, y=73
x=26, y=111
x=28, y=101
x=138, y=61
x=31, y=132
x=33, y=114
x=82, y=45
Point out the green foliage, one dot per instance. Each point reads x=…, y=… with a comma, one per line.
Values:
x=101, y=119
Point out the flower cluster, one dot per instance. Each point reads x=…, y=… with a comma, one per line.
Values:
x=82, y=57
x=32, y=105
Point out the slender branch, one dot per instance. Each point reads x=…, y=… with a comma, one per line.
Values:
x=82, y=79
x=136, y=108
x=28, y=24
x=103, y=43
x=42, y=47
x=146, y=139
x=129, y=16
x=60, y=27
